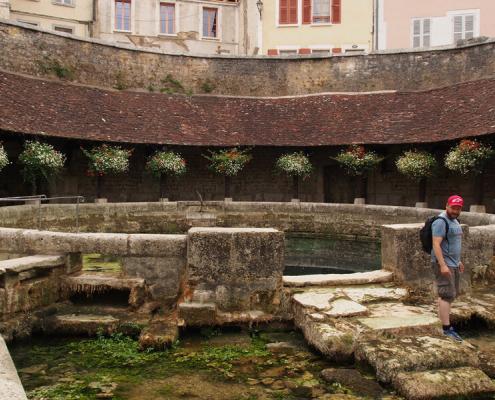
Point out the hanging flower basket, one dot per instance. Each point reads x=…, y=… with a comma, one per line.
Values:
x=40, y=161
x=106, y=160
x=166, y=163
x=295, y=164
x=356, y=160
x=4, y=160
x=416, y=164
x=228, y=162
x=469, y=156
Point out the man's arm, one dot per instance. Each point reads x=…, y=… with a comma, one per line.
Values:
x=437, y=241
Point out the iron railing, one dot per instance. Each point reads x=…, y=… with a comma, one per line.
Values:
x=40, y=199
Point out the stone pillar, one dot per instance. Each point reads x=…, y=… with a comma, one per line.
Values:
x=235, y=269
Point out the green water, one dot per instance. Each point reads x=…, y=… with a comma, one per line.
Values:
x=210, y=364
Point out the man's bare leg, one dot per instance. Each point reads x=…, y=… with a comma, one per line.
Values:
x=444, y=311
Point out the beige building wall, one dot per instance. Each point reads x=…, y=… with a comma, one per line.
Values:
x=353, y=34
x=234, y=36
x=70, y=16
x=395, y=20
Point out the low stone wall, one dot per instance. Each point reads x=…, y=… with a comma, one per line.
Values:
x=177, y=217
x=10, y=384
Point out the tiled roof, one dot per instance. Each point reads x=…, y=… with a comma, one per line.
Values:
x=52, y=108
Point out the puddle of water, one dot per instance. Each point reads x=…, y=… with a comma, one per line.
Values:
x=210, y=364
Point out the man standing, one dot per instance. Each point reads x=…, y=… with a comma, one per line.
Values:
x=446, y=260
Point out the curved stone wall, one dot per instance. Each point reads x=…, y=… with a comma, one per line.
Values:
x=177, y=217
x=41, y=53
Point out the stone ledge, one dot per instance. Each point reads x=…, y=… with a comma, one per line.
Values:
x=18, y=265
x=358, y=278
x=10, y=384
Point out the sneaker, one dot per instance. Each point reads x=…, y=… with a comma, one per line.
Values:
x=451, y=333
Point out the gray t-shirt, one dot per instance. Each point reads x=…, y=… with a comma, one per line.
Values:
x=451, y=248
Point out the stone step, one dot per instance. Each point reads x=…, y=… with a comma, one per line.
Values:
x=357, y=278
x=197, y=314
x=464, y=382
x=390, y=355
x=398, y=318
x=81, y=324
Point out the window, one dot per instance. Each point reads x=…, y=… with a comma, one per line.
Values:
x=167, y=18
x=421, y=32
x=288, y=52
x=64, y=29
x=321, y=52
x=29, y=22
x=210, y=22
x=64, y=2
x=123, y=15
x=463, y=27
x=287, y=12
x=321, y=12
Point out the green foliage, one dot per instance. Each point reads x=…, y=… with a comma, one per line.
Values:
x=105, y=159
x=166, y=163
x=294, y=164
x=356, y=160
x=171, y=85
x=416, y=164
x=55, y=67
x=120, y=83
x=469, y=156
x=207, y=86
x=40, y=160
x=228, y=162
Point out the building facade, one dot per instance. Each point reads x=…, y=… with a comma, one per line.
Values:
x=181, y=26
x=426, y=23
x=323, y=27
x=67, y=16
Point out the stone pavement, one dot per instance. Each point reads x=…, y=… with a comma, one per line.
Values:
x=366, y=317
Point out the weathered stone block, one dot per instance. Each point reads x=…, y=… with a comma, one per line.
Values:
x=243, y=266
x=198, y=314
x=163, y=275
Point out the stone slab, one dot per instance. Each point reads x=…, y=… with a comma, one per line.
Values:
x=465, y=382
x=345, y=308
x=358, y=278
x=314, y=300
x=400, y=318
x=390, y=355
x=18, y=265
x=10, y=384
x=374, y=294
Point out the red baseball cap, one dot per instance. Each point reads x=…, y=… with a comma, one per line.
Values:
x=455, y=200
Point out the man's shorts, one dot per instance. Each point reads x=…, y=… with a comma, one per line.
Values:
x=447, y=286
